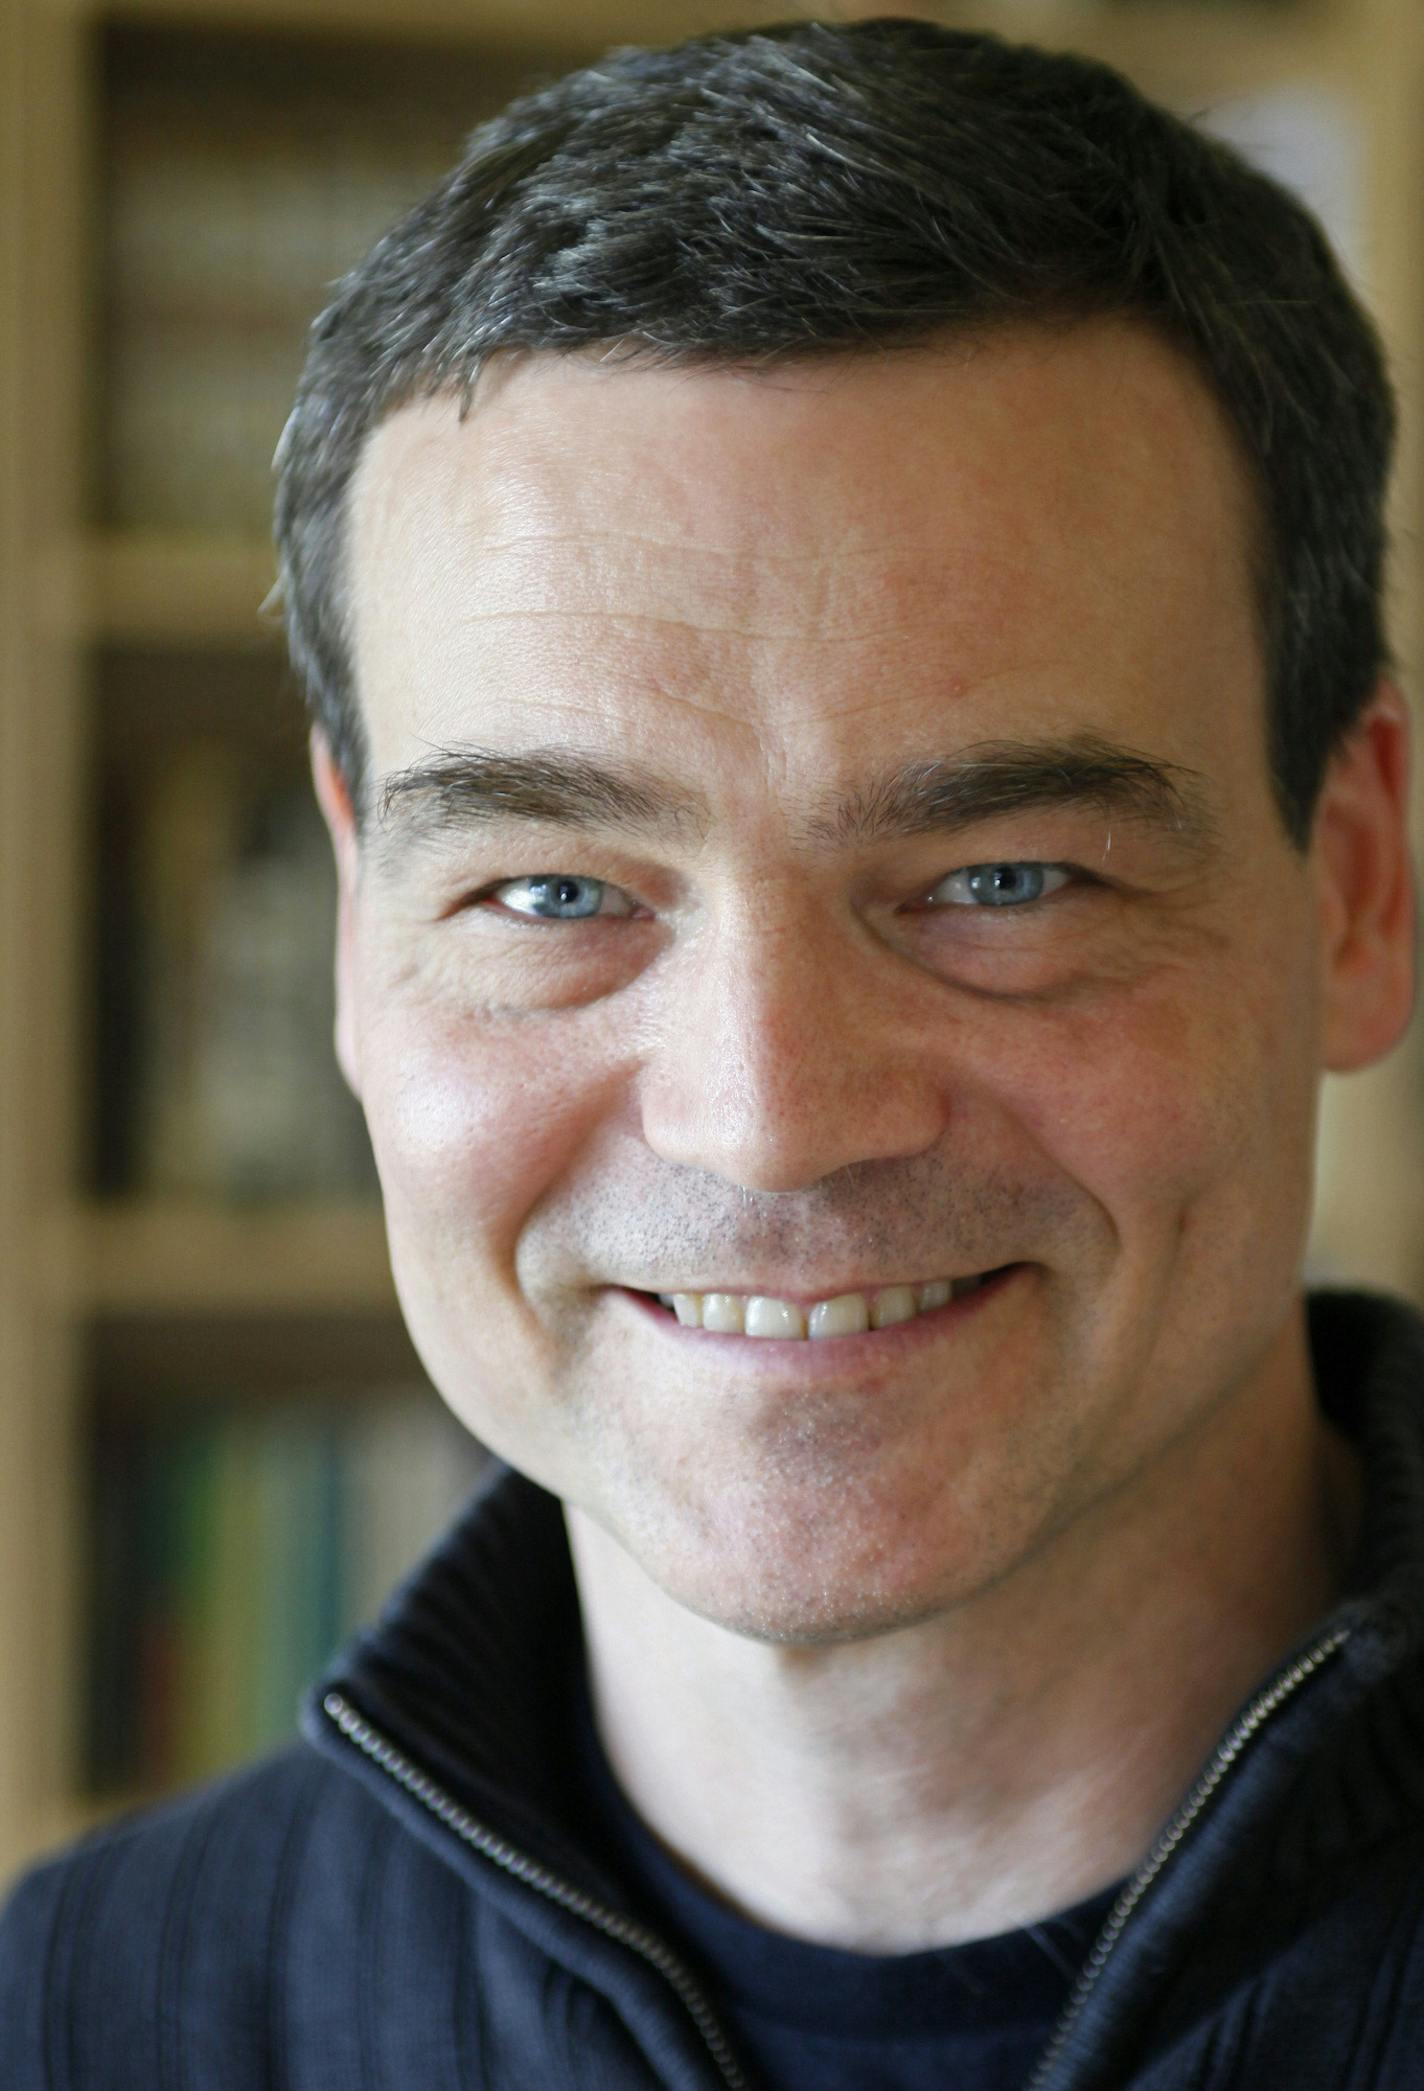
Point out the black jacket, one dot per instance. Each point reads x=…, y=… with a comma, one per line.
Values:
x=403, y=1902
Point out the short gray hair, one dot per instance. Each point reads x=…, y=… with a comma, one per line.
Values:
x=817, y=188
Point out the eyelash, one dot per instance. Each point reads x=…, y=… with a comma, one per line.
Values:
x=1066, y=874
x=1063, y=874
x=491, y=894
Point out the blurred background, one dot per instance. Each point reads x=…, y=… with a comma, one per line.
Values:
x=216, y=1448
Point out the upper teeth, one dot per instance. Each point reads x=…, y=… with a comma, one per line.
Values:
x=848, y=1314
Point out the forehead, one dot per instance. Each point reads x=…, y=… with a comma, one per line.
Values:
x=1036, y=532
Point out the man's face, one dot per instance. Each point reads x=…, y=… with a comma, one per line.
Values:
x=668, y=968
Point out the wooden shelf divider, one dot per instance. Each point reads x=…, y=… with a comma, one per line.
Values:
x=191, y=1258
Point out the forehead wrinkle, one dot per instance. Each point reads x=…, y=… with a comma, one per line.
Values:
x=749, y=556
x=861, y=635
x=762, y=593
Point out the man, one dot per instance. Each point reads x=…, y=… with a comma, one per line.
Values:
x=838, y=576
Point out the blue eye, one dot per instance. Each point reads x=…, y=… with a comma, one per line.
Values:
x=1006, y=885
x=557, y=896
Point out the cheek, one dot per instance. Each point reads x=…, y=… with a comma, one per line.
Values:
x=468, y=1132
x=464, y=1136
x=473, y=1117
x=1177, y=1101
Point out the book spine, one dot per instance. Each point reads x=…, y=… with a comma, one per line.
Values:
x=234, y=1549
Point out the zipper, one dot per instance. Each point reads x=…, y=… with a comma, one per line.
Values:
x=650, y=1948
x=645, y=1943
x=1263, y=1707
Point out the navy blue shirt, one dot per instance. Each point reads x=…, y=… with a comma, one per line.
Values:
x=815, y=2018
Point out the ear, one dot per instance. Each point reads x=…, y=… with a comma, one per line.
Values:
x=334, y=797
x=1365, y=882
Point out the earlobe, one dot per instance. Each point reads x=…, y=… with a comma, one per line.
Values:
x=334, y=798
x=1365, y=874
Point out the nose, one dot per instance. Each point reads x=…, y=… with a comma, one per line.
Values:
x=785, y=1055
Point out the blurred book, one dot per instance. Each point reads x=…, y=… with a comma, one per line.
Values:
x=240, y=177
x=234, y=1549
x=232, y=1086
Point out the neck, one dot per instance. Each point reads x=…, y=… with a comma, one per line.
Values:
x=1009, y=1757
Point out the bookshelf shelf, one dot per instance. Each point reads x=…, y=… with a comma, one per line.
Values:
x=150, y=588
x=192, y=1258
x=549, y=27
x=182, y=180
x=565, y=25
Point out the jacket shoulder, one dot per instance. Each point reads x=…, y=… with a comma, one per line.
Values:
x=158, y=1949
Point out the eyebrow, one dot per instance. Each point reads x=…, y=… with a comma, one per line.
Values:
x=993, y=778
x=461, y=787
x=457, y=788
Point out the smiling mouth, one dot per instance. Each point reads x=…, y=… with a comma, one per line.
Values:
x=847, y=1314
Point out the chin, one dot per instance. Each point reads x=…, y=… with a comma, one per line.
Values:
x=819, y=1619
x=812, y=1595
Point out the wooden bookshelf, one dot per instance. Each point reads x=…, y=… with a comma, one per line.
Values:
x=124, y=631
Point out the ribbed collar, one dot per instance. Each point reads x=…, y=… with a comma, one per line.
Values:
x=468, y=1671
